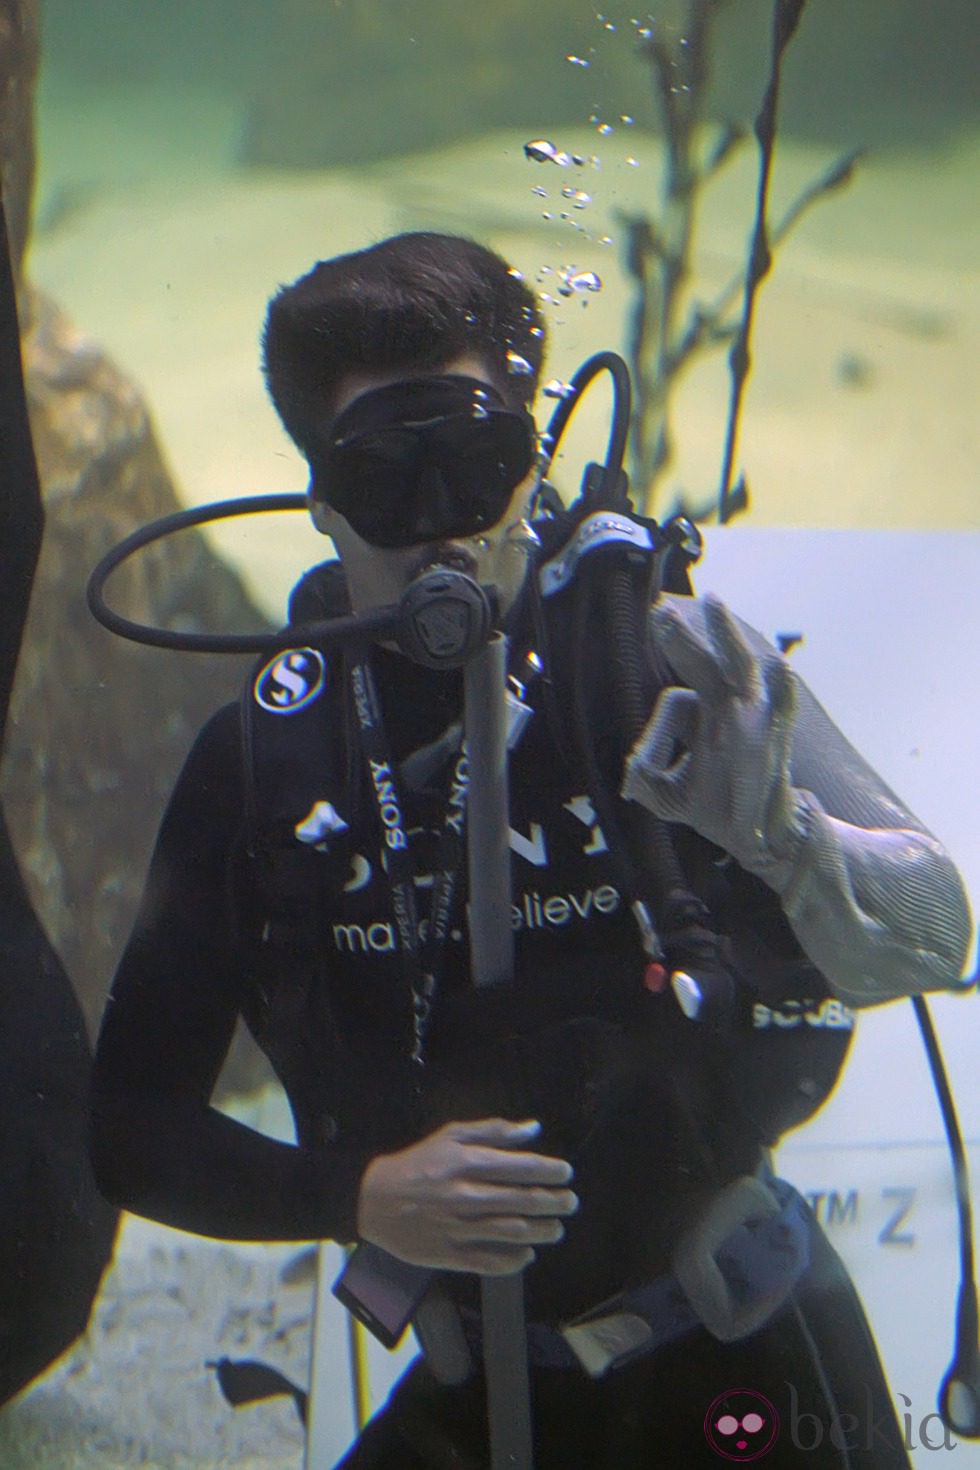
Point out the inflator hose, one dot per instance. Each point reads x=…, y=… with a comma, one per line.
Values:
x=621, y=587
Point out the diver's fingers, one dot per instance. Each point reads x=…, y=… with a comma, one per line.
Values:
x=779, y=683
x=509, y=1166
x=714, y=659
x=508, y=1230
x=688, y=654
x=489, y=1259
x=499, y=1132
x=780, y=686
x=739, y=665
x=659, y=765
x=475, y=1201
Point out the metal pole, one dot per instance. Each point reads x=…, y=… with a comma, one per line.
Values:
x=492, y=958
x=359, y=1372
x=487, y=816
x=329, y=1431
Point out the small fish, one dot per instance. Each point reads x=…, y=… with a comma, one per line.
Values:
x=247, y=1381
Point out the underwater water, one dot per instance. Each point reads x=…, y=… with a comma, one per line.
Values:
x=193, y=157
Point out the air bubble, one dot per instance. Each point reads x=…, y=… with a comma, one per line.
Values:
x=541, y=151
x=518, y=275
x=628, y=121
x=605, y=129
x=519, y=365
x=574, y=282
x=633, y=162
x=541, y=192
x=578, y=197
x=577, y=60
x=557, y=389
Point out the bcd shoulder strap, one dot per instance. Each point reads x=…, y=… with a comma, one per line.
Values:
x=297, y=847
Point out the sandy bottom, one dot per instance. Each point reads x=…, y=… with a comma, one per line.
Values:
x=137, y=1389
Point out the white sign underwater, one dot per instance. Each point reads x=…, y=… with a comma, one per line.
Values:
x=888, y=623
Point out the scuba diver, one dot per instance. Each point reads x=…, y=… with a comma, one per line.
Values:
x=708, y=882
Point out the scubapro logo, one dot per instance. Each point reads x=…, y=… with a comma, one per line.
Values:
x=290, y=681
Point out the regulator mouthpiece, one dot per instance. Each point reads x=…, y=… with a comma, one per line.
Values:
x=444, y=618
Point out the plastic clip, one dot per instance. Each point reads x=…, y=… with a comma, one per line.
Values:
x=698, y=1260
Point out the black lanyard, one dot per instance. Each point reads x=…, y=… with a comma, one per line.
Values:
x=422, y=958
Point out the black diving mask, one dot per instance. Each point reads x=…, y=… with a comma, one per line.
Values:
x=428, y=459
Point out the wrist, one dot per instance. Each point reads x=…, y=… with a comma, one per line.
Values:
x=367, y=1200
x=778, y=854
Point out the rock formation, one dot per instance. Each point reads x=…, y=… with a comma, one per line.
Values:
x=99, y=726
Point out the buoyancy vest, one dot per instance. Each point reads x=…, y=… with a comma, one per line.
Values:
x=626, y=1086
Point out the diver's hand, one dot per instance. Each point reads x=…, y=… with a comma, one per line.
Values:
x=467, y=1198
x=715, y=756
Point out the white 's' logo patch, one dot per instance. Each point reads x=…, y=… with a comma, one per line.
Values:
x=290, y=681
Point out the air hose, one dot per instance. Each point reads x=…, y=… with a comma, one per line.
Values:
x=619, y=582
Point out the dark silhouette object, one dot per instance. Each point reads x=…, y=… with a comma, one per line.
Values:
x=56, y=1232
x=246, y=1381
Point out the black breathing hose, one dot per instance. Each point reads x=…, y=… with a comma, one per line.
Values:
x=620, y=584
x=959, y=1393
x=609, y=362
x=333, y=630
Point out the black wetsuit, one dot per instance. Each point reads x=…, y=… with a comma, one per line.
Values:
x=654, y=1112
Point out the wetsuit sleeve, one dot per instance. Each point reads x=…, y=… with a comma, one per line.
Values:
x=748, y=757
x=873, y=897
x=159, y=1147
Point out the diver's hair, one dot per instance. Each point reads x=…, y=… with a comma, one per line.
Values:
x=412, y=303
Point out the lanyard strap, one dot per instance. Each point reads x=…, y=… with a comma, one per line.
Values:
x=422, y=958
